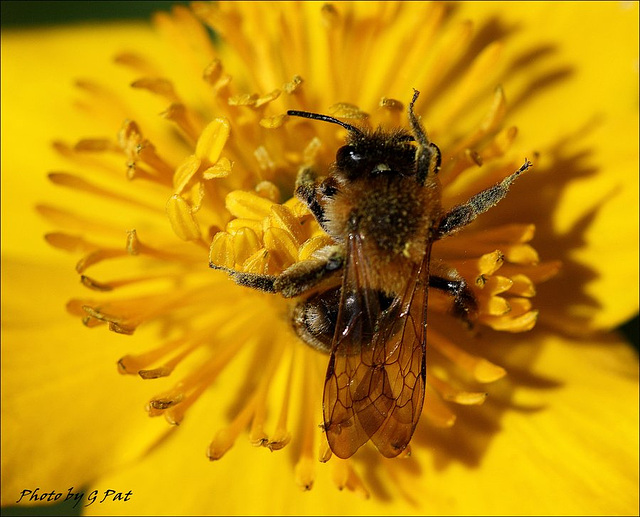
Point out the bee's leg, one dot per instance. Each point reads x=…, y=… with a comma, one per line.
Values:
x=448, y=280
x=296, y=279
x=428, y=156
x=305, y=275
x=308, y=191
x=256, y=281
x=461, y=215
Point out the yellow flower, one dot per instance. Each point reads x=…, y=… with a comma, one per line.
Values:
x=182, y=153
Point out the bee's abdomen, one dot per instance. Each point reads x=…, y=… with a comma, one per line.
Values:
x=315, y=318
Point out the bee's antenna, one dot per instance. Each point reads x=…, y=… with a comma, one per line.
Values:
x=326, y=118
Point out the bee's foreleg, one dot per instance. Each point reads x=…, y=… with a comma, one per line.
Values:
x=461, y=215
x=296, y=279
x=307, y=191
x=428, y=158
x=305, y=275
x=257, y=281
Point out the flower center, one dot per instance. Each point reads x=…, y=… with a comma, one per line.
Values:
x=216, y=187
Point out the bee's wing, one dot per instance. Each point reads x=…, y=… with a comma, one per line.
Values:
x=375, y=383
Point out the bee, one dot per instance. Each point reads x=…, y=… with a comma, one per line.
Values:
x=363, y=299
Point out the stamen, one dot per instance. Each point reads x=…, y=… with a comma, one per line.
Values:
x=178, y=114
x=245, y=245
x=268, y=190
x=491, y=121
x=225, y=438
x=158, y=86
x=133, y=244
x=438, y=414
x=166, y=369
x=393, y=111
x=220, y=169
x=137, y=148
x=310, y=153
x=475, y=77
x=185, y=173
x=520, y=323
x=213, y=71
x=193, y=385
x=411, y=52
x=182, y=219
x=345, y=476
x=348, y=111
x=235, y=225
x=94, y=284
x=495, y=284
x=68, y=242
x=128, y=313
x=185, y=31
x=116, y=323
x=159, y=404
x=506, y=233
x=136, y=62
x=282, y=247
x=162, y=252
x=451, y=394
x=257, y=436
x=273, y=122
x=243, y=204
x=448, y=53
x=520, y=254
x=305, y=471
x=265, y=99
x=479, y=368
x=522, y=286
x=72, y=181
x=281, y=437
x=293, y=86
x=133, y=364
x=480, y=268
x=222, y=251
x=72, y=221
x=500, y=144
x=243, y=99
x=493, y=305
x=104, y=104
x=537, y=273
x=282, y=217
x=312, y=245
x=325, y=453
x=97, y=256
x=212, y=140
x=514, y=253
x=265, y=162
x=175, y=415
x=95, y=145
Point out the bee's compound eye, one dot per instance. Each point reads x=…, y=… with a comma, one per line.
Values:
x=347, y=158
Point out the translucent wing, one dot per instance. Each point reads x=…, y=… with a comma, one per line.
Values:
x=374, y=388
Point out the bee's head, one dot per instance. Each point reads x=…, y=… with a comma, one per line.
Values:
x=376, y=153
x=369, y=153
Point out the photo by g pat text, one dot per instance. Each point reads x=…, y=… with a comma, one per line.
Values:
x=74, y=498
